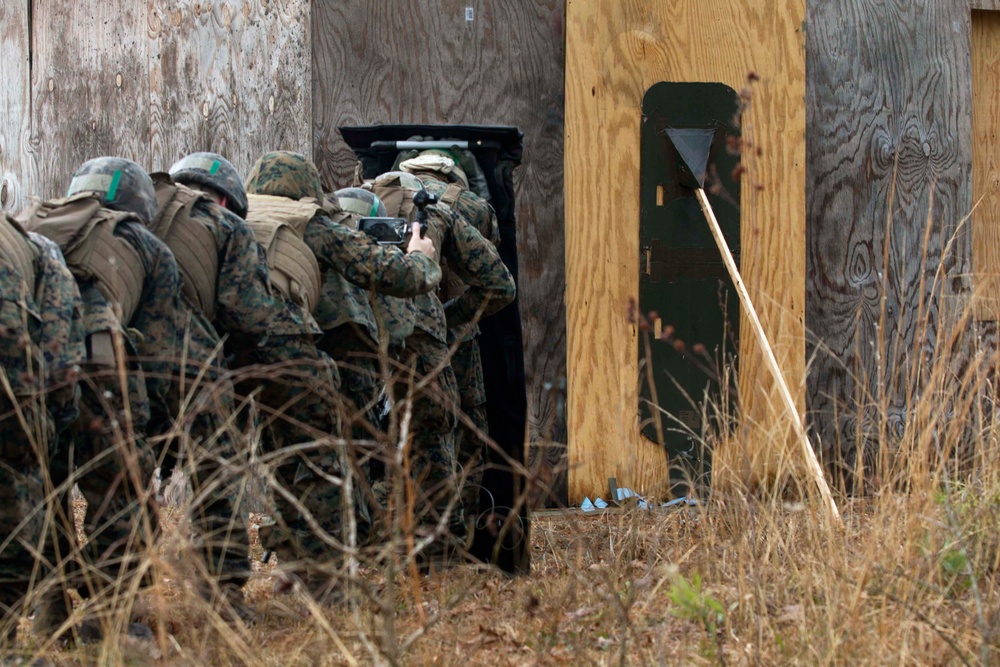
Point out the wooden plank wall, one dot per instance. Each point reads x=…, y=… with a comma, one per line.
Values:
x=150, y=81
x=889, y=109
x=421, y=62
x=16, y=157
x=615, y=50
x=986, y=163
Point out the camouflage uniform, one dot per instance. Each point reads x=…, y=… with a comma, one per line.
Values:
x=350, y=337
x=112, y=462
x=352, y=255
x=242, y=306
x=474, y=273
x=41, y=347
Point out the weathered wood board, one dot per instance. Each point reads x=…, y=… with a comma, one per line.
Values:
x=16, y=157
x=422, y=62
x=89, y=86
x=615, y=51
x=233, y=78
x=154, y=81
x=986, y=164
x=890, y=124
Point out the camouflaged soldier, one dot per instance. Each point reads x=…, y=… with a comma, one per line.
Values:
x=225, y=283
x=41, y=348
x=350, y=329
x=286, y=197
x=444, y=178
x=128, y=282
x=426, y=353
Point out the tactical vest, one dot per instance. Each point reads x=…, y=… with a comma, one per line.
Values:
x=194, y=245
x=451, y=194
x=18, y=252
x=279, y=224
x=85, y=232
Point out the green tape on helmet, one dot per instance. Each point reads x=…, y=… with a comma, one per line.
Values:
x=113, y=188
x=215, y=168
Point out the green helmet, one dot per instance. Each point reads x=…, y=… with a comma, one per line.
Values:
x=285, y=174
x=359, y=201
x=121, y=184
x=216, y=172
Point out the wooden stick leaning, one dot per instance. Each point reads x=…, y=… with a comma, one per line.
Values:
x=807, y=451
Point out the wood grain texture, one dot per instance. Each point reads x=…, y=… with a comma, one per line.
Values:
x=986, y=163
x=90, y=86
x=233, y=78
x=421, y=62
x=16, y=158
x=156, y=80
x=890, y=123
x=615, y=51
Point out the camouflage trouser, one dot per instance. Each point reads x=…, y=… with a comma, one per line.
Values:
x=35, y=529
x=433, y=422
x=470, y=448
x=299, y=386
x=303, y=389
x=208, y=454
x=360, y=382
x=112, y=465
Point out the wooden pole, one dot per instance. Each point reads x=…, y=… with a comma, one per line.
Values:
x=807, y=451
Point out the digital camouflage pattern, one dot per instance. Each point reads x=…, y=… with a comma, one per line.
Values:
x=299, y=390
x=32, y=343
x=62, y=334
x=285, y=174
x=350, y=336
x=244, y=309
x=213, y=171
x=357, y=259
x=122, y=185
x=111, y=461
x=244, y=304
x=342, y=302
x=470, y=446
x=433, y=462
x=490, y=286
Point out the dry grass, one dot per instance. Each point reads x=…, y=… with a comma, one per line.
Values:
x=735, y=583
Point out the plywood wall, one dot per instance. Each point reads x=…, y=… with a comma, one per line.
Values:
x=421, y=61
x=986, y=163
x=889, y=107
x=616, y=50
x=16, y=158
x=149, y=81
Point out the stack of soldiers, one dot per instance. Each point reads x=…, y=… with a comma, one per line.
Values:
x=193, y=320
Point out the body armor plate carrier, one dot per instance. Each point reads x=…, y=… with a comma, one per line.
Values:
x=85, y=232
x=194, y=245
x=279, y=223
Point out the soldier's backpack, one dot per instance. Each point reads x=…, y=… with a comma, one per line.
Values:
x=194, y=245
x=84, y=231
x=279, y=224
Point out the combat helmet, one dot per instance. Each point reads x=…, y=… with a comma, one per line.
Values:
x=213, y=171
x=121, y=184
x=361, y=202
x=396, y=190
x=285, y=174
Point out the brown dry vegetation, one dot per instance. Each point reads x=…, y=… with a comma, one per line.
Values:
x=910, y=581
